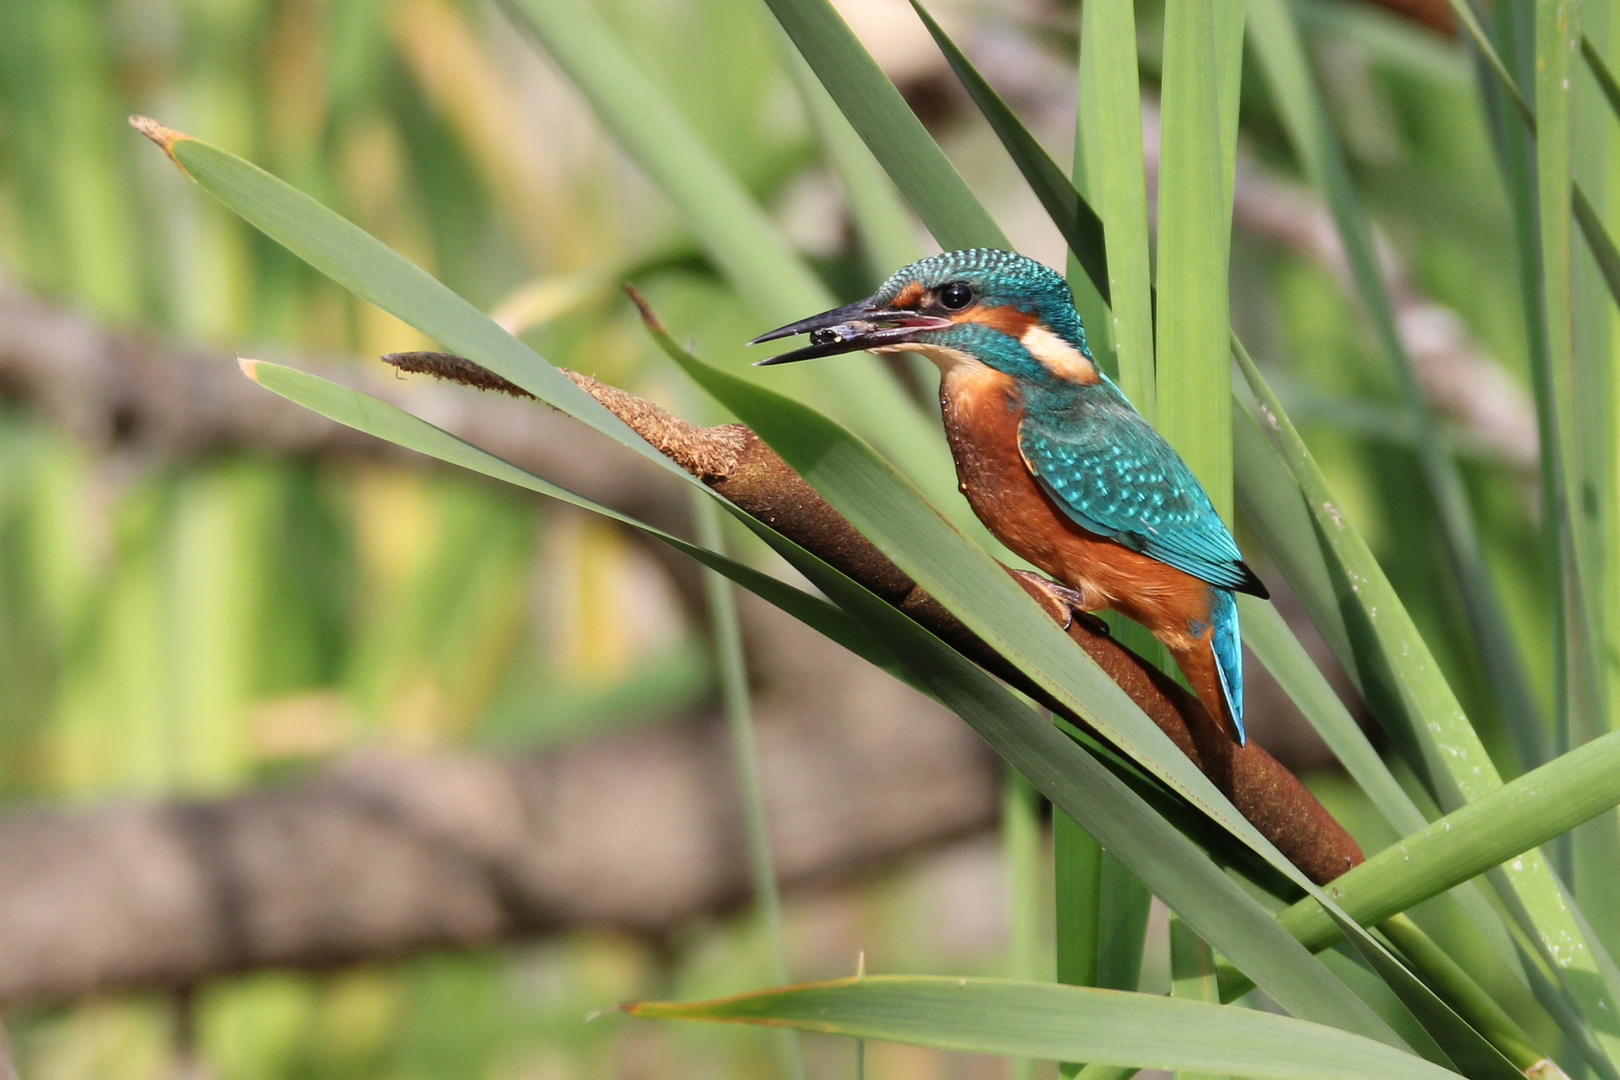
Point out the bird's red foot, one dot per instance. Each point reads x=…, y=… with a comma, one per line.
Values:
x=1059, y=598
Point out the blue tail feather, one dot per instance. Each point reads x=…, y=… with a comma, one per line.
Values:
x=1228, y=645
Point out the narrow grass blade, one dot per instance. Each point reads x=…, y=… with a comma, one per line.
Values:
x=1466, y=995
x=1481, y=41
x=735, y=696
x=373, y=271
x=1581, y=706
x=1078, y=223
x=1123, y=906
x=1193, y=371
x=1597, y=846
x=1077, y=886
x=374, y=417
x=758, y=261
x=1600, y=71
x=1110, y=133
x=1597, y=240
x=1055, y=1022
x=1102, y=914
x=1463, y=1047
x=1021, y=852
x=1273, y=507
x=1294, y=89
x=919, y=168
x=1192, y=975
x=1077, y=904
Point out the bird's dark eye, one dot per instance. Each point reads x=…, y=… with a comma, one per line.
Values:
x=956, y=296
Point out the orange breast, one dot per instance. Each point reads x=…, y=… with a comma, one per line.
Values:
x=982, y=410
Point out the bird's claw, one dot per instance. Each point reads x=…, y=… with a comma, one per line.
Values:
x=1056, y=598
x=1095, y=623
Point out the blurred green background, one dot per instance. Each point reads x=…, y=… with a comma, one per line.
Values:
x=193, y=624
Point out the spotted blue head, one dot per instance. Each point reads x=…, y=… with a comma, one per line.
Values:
x=995, y=307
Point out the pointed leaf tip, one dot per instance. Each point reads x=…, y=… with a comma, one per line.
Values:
x=165, y=137
x=249, y=367
x=648, y=315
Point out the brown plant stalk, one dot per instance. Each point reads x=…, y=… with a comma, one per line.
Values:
x=738, y=465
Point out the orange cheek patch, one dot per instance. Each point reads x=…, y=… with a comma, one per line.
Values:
x=1006, y=318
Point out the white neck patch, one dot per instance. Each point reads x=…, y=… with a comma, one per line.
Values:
x=1058, y=356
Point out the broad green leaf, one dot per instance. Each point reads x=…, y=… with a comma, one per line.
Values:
x=1193, y=374
x=1490, y=830
x=758, y=261
x=1110, y=135
x=1066, y=1023
x=911, y=157
x=1192, y=975
x=1401, y=681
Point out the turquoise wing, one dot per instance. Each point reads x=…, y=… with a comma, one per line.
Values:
x=1115, y=476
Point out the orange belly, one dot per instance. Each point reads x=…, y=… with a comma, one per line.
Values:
x=982, y=410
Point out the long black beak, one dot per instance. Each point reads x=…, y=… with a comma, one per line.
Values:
x=861, y=325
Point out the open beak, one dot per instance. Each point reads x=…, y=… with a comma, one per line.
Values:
x=861, y=325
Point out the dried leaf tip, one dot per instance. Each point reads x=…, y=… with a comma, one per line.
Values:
x=456, y=369
x=648, y=315
x=250, y=367
x=163, y=136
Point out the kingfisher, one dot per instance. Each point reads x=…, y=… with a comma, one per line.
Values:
x=1054, y=459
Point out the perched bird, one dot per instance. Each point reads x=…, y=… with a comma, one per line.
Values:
x=1053, y=458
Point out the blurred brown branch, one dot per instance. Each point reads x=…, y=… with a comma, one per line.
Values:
x=388, y=854
x=129, y=393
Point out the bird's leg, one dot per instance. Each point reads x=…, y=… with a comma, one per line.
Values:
x=1065, y=604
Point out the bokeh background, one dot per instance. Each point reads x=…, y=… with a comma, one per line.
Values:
x=204, y=595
